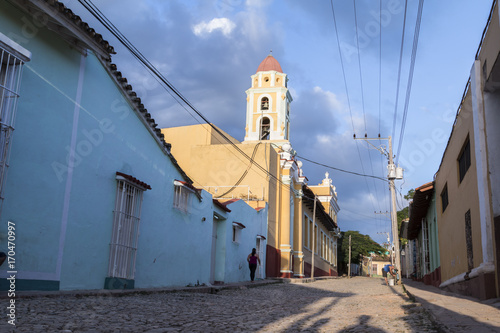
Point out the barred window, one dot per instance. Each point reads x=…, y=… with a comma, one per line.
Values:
x=464, y=159
x=125, y=234
x=181, y=196
x=12, y=59
x=237, y=228
x=444, y=197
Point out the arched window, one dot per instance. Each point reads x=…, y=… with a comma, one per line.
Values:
x=265, y=128
x=264, y=103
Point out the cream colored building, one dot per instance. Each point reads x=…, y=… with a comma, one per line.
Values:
x=263, y=169
x=468, y=180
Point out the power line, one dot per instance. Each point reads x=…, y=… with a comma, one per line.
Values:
x=410, y=76
x=363, y=103
x=342, y=65
x=380, y=68
x=341, y=170
x=166, y=84
x=347, y=92
x=399, y=72
x=359, y=64
x=143, y=60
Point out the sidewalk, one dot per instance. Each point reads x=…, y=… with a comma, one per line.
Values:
x=209, y=289
x=453, y=312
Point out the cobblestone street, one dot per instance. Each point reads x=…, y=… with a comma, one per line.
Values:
x=334, y=305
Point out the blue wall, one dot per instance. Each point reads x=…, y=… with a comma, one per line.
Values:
x=236, y=265
x=63, y=207
x=63, y=219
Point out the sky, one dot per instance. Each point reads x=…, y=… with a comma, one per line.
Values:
x=343, y=81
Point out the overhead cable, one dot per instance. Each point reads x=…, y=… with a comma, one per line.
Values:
x=399, y=72
x=410, y=76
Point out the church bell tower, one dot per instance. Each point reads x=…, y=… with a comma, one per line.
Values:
x=268, y=104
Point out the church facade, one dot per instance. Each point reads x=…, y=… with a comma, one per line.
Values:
x=263, y=171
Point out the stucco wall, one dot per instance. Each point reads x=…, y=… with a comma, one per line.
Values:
x=492, y=122
x=255, y=222
x=64, y=212
x=461, y=197
x=433, y=235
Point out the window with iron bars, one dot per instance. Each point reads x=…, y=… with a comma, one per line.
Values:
x=12, y=59
x=125, y=234
x=181, y=196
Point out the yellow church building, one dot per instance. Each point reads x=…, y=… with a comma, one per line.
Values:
x=262, y=170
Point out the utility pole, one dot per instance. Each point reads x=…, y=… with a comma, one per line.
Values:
x=313, y=237
x=393, y=173
x=349, y=268
x=394, y=216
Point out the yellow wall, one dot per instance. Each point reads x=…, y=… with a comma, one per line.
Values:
x=461, y=197
x=279, y=81
x=380, y=266
x=222, y=165
x=319, y=262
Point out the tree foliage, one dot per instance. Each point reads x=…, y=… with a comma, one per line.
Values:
x=410, y=194
x=360, y=244
x=403, y=214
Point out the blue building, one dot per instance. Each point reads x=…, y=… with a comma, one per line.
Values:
x=95, y=196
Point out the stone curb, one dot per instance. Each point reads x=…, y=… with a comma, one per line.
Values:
x=146, y=291
x=432, y=316
x=141, y=291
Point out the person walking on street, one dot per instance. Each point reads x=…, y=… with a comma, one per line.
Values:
x=253, y=259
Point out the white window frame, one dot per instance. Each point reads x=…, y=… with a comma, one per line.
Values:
x=12, y=59
x=316, y=234
x=181, y=196
x=236, y=235
x=307, y=232
x=125, y=234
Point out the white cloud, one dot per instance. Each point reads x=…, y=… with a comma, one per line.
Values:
x=331, y=99
x=324, y=139
x=223, y=24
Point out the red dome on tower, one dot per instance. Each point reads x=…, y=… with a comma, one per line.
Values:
x=269, y=64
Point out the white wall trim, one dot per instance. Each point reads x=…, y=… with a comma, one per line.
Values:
x=482, y=269
x=69, y=179
x=481, y=162
x=14, y=48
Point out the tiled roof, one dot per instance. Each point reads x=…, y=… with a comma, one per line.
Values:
x=239, y=225
x=269, y=64
x=134, y=180
x=418, y=208
x=221, y=205
x=63, y=21
x=230, y=201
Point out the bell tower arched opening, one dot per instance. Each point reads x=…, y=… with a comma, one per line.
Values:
x=265, y=128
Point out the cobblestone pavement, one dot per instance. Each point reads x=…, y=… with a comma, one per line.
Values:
x=335, y=305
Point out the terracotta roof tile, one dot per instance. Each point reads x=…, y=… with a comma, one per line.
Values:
x=269, y=64
x=134, y=180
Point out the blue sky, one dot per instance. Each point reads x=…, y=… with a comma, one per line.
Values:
x=209, y=50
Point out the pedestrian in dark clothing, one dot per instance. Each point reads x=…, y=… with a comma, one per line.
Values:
x=253, y=259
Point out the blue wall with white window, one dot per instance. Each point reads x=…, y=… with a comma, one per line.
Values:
x=62, y=207
x=255, y=222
